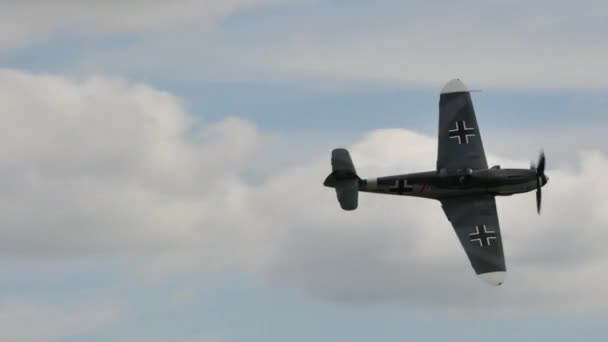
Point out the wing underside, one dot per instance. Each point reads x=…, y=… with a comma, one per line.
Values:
x=460, y=145
x=475, y=221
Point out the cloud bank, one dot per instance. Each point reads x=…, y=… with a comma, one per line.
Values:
x=24, y=320
x=532, y=47
x=103, y=167
x=24, y=22
x=540, y=45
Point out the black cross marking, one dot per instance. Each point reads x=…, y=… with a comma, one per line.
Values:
x=462, y=132
x=483, y=236
x=401, y=187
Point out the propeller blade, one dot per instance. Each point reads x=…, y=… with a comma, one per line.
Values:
x=541, y=164
x=540, y=180
x=539, y=195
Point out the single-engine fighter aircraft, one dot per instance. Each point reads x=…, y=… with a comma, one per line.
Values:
x=462, y=182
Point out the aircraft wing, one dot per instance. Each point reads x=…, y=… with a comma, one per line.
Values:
x=475, y=221
x=460, y=145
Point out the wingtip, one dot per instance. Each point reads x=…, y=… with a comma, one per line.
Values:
x=454, y=86
x=493, y=278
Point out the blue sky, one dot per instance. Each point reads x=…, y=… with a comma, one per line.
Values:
x=162, y=170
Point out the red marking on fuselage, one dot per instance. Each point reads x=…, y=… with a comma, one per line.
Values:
x=423, y=187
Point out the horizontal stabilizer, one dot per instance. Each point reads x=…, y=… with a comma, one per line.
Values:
x=341, y=161
x=344, y=179
x=348, y=193
x=342, y=167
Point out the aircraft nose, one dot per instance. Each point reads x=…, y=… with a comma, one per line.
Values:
x=545, y=179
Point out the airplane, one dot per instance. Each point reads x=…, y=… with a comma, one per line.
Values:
x=462, y=182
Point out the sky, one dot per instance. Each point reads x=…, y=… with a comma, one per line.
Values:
x=162, y=167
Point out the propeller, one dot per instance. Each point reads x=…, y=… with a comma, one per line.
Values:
x=541, y=179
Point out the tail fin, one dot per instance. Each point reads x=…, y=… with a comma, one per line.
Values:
x=344, y=179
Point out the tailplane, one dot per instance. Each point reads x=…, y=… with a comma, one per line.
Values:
x=344, y=179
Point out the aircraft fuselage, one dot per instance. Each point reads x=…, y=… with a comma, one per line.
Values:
x=445, y=184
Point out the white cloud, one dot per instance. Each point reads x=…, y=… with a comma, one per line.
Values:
x=202, y=338
x=27, y=321
x=403, y=250
x=535, y=46
x=26, y=21
x=414, y=43
x=106, y=167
